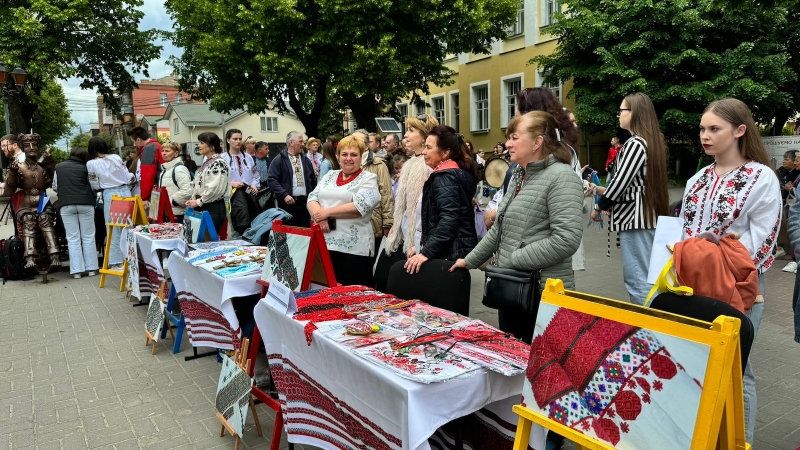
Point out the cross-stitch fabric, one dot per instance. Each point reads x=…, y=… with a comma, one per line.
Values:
x=286, y=259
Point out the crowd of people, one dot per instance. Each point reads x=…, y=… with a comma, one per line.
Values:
x=379, y=201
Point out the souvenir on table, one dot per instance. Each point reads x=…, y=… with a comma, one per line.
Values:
x=424, y=362
x=239, y=270
x=215, y=244
x=420, y=314
x=489, y=347
x=614, y=382
x=356, y=333
x=161, y=231
x=286, y=258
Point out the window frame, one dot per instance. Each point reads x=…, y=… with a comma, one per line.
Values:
x=550, y=7
x=403, y=118
x=265, y=120
x=473, y=106
x=557, y=90
x=163, y=100
x=455, y=110
x=518, y=27
x=443, y=98
x=178, y=98
x=505, y=114
x=176, y=126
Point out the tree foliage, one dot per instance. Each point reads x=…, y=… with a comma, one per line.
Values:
x=51, y=120
x=97, y=42
x=249, y=53
x=682, y=53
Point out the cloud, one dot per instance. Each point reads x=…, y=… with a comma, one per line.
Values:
x=83, y=103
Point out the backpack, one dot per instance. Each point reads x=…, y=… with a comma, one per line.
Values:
x=175, y=180
x=12, y=259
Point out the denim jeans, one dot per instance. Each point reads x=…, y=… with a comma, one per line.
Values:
x=635, y=246
x=796, y=308
x=749, y=379
x=79, y=224
x=115, y=254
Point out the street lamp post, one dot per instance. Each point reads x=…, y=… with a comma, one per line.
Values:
x=18, y=76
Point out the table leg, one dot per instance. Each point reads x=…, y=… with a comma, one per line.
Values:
x=196, y=355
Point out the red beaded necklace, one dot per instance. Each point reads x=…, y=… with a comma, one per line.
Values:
x=340, y=181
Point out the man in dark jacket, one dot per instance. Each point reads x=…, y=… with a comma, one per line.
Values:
x=291, y=178
x=150, y=160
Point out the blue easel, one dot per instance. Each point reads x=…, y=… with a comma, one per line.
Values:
x=206, y=233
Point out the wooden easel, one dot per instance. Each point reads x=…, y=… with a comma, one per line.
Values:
x=124, y=212
x=720, y=417
x=161, y=295
x=319, y=270
x=160, y=207
x=206, y=231
x=240, y=359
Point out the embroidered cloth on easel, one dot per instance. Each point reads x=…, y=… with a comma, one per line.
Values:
x=614, y=382
x=148, y=273
x=332, y=399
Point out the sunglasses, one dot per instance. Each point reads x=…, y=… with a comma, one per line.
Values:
x=423, y=117
x=619, y=111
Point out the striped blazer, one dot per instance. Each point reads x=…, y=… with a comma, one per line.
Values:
x=625, y=193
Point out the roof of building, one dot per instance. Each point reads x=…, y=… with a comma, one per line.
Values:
x=168, y=80
x=200, y=114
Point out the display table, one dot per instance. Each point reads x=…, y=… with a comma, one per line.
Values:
x=205, y=300
x=333, y=399
x=146, y=275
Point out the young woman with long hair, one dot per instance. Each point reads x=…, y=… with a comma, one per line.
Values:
x=329, y=160
x=736, y=194
x=637, y=193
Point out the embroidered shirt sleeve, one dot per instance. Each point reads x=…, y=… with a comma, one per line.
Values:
x=764, y=218
x=367, y=196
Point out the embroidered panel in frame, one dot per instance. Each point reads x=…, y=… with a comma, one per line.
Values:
x=233, y=394
x=154, y=321
x=286, y=259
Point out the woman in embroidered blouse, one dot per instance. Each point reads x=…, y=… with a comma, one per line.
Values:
x=108, y=173
x=347, y=196
x=738, y=193
x=244, y=173
x=448, y=220
x=211, y=188
x=637, y=193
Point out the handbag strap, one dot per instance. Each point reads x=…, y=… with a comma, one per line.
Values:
x=502, y=216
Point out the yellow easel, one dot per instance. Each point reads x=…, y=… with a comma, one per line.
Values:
x=720, y=416
x=125, y=212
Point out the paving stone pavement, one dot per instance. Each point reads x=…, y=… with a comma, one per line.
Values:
x=77, y=375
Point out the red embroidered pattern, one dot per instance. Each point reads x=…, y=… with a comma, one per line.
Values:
x=340, y=181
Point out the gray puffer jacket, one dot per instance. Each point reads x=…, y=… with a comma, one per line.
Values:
x=542, y=226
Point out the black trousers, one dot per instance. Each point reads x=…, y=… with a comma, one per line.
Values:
x=299, y=212
x=351, y=270
x=217, y=212
x=520, y=325
x=385, y=263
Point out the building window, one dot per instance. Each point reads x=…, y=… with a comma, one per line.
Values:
x=175, y=126
x=269, y=124
x=518, y=27
x=437, y=107
x=420, y=108
x=551, y=7
x=402, y=111
x=178, y=98
x=480, y=107
x=511, y=86
x=455, y=116
x=553, y=85
x=163, y=99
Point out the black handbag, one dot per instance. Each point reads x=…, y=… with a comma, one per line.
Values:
x=511, y=290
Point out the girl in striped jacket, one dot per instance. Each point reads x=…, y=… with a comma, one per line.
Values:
x=637, y=193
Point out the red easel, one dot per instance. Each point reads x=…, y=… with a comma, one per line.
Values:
x=319, y=270
x=160, y=206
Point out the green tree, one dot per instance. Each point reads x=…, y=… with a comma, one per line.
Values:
x=242, y=53
x=82, y=140
x=51, y=120
x=99, y=43
x=682, y=53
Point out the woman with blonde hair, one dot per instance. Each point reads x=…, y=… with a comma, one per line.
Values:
x=250, y=146
x=637, y=193
x=404, y=237
x=175, y=176
x=737, y=194
x=539, y=226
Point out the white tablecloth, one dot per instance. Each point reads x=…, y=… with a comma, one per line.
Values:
x=147, y=275
x=205, y=300
x=333, y=399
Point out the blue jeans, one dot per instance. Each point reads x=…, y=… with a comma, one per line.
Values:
x=749, y=379
x=635, y=246
x=796, y=308
x=79, y=224
x=115, y=254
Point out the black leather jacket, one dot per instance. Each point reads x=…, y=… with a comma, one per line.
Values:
x=448, y=220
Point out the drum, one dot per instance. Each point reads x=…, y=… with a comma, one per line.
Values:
x=495, y=172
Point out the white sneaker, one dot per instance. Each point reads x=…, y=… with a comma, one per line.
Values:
x=779, y=252
x=91, y=273
x=116, y=268
x=76, y=276
x=791, y=267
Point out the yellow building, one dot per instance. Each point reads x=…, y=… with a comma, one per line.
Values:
x=481, y=100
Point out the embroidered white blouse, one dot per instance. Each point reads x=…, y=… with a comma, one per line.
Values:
x=212, y=181
x=107, y=172
x=352, y=236
x=746, y=201
x=242, y=168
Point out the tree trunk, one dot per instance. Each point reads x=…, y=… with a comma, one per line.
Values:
x=311, y=119
x=780, y=121
x=363, y=109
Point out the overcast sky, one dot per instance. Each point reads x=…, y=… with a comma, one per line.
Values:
x=83, y=103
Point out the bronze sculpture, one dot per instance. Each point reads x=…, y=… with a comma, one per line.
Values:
x=33, y=177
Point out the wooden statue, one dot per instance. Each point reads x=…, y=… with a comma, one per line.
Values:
x=33, y=177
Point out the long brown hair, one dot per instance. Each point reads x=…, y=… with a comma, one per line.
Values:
x=644, y=123
x=540, y=123
x=735, y=112
x=448, y=139
x=329, y=153
x=544, y=99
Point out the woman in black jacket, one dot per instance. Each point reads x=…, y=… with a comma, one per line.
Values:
x=447, y=221
x=76, y=206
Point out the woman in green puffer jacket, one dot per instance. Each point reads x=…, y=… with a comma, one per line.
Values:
x=542, y=215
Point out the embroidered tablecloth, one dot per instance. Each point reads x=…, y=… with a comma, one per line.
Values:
x=205, y=300
x=332, y=399
x=147, y=275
